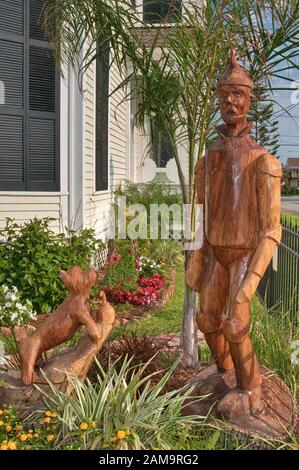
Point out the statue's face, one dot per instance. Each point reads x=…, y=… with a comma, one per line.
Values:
x=234, y=103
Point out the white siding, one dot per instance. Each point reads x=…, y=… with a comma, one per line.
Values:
x=97, y=204
x=25, y=207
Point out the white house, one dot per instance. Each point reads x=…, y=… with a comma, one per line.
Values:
x=62, y=152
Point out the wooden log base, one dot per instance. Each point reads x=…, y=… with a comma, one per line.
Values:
x=27, y=399
x=276, y=420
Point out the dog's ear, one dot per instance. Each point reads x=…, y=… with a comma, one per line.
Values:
x=67, y=279
x=63, y=275
x=90, y=278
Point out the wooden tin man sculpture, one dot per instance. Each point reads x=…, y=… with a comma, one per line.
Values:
x=238, y=183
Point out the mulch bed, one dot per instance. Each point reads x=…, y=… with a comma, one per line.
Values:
x=162, y=350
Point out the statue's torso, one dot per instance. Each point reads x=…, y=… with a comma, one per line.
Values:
x=231, y=212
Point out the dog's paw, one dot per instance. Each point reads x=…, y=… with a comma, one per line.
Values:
x=96, y=336
x=27, y=377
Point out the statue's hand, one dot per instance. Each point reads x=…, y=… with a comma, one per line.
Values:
x=248, y=288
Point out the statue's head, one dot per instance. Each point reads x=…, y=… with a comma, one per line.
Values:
x=77, y=281
x=234, y=89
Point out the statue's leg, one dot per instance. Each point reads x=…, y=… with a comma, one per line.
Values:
x=29, y=351
x=213, y=295
x=236, y=329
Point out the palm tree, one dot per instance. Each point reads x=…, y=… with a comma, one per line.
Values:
x=176, y=92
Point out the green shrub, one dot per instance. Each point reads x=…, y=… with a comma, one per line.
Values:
x=32, y=256
x=290, y=191
x=149, y=193
x=166, y=251
x=122, y=272
x=272, y=337
x=14, y=312
x=121, y=411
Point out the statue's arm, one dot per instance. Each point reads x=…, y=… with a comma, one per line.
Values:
x=268, y=192
x=197, y=257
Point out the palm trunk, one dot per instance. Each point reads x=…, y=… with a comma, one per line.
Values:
x=189, y=342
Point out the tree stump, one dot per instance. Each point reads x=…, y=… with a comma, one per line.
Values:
x=277, y=418
x=27, y=399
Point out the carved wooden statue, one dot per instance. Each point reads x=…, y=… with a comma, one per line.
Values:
x=238, y=184
x=61, y=326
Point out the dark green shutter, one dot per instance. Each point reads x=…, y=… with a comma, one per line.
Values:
x=36, y=9
x=102, y=120
x=29, y=134
x=12, y=52
x=11, y=16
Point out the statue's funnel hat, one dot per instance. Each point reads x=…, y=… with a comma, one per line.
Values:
x=235, y=74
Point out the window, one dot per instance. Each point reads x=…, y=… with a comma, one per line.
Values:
x=102, y=120
x=165, y=10
x=162, y=148
x=29, y=108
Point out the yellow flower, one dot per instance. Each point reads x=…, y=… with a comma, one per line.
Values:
x=29, y=436
x=35, y=436
x=30, y=431
x=8, y=428
x=47, y=420
x=128, y=432
x=12, y=445
x=18, y=427
x=4, y=447
x=1, y=423
x=84, y=426
x=50, y=438
x=93, y=423
x=1, y=412
x=50, y=414
x=121, y=434
x=23, y=437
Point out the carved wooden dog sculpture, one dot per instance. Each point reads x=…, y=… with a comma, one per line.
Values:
x=78, y=360
x=61, y=326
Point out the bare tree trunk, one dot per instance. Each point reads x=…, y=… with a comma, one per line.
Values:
x=189, y=342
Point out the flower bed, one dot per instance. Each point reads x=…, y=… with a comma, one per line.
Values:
x=134, y=281
x=148, y=291
x=129, y=312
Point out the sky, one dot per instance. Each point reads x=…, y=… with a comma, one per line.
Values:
x=288, y=127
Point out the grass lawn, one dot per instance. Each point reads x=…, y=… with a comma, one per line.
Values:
x=291, y=218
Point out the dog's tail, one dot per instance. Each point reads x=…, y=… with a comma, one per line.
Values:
x=103, y=296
